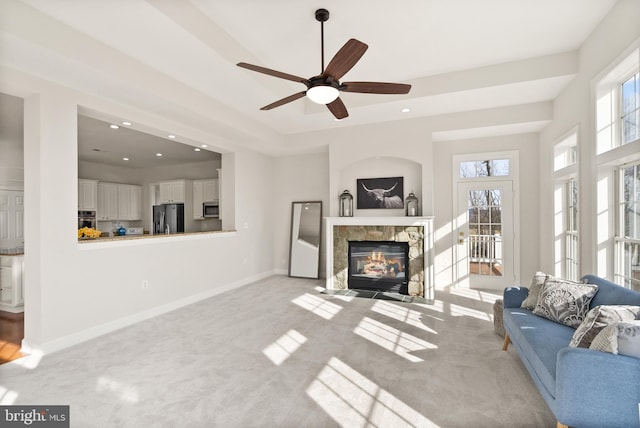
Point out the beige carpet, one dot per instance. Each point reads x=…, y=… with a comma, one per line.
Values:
x=278, y=353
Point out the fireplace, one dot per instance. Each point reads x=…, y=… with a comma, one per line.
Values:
x=379, y=266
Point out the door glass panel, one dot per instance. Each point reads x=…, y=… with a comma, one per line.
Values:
x=485, y=246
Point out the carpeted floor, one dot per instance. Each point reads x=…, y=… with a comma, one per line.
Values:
x=278, y=353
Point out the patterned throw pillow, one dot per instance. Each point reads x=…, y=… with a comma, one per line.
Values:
x=534, y=290
x=565, y=301
x=606, y=340
x=600, y=317
x=629, y=338
x=619, y=338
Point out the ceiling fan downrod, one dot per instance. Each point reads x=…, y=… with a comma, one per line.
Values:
x=322, y=15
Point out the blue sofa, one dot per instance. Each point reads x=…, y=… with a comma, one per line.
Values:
x=583, y=388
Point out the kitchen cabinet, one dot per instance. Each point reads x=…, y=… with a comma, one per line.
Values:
x=107, y=201
x=172, y=192
x=119, y=202
x=129, y=202
x=11, y=290
x=204, y=191
x=87, y=195
x=11, y=218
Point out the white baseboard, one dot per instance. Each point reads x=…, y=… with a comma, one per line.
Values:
x=93, y=332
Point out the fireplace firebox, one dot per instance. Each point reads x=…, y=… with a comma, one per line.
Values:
x=379, y=266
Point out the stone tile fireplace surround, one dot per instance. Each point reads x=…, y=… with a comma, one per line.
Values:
x=417, y=231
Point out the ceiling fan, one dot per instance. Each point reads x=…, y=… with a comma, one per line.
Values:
x=325, y=88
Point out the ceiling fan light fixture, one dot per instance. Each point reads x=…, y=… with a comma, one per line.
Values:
x=322, y=94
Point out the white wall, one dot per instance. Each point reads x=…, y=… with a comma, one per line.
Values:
x=391, y=147
x=574, y=108
x=526, y=145
x=77, y=291
x=297, y=178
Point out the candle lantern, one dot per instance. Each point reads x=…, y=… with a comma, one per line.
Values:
x=411, y=204
x=346, y=204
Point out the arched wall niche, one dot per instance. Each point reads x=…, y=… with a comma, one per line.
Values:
x=381, y=167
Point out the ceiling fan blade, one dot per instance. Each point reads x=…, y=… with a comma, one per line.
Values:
x=284, y=100
x=338, y=108
x=273, y=73
x=376, y=87
x=345, y=59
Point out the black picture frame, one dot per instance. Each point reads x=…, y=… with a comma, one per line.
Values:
x=380, y=193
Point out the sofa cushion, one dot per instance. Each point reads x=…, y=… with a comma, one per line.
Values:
x=619, y=338
x=534, y=290
x=600, y=317
x=610, y=293
x=565, y=301
x=538, y=341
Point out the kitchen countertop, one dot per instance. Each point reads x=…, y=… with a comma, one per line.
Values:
x=18, y=251
x=148, y=236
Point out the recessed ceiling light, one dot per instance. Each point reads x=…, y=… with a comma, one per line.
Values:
x=196, y=149
x=204, y=146
x=125, y=123
x=158, y=154
x=125, y=159
x=172, y=136
x=405, y=110
x=114, y=126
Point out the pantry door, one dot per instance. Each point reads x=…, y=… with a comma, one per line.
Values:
x=484, y=240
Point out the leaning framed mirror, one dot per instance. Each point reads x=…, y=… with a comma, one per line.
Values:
x=304, y=250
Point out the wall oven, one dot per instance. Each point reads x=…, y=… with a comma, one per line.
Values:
x=86, y=219
x=210, y=210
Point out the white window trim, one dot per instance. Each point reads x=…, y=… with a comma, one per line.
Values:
x=618, y=239
x=606, y=77
x=561, y=178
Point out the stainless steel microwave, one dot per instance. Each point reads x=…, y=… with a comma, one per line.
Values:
x=210, y=210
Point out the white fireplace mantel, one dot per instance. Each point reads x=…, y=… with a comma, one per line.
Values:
x=424, y=222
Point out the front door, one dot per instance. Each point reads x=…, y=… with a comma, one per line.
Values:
x=484, y=240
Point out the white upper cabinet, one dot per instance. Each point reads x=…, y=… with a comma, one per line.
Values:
x=129, y=202
x=172, y=192
x=203, y=191
x=87, y=195
x=119, y=202
x=107, y=201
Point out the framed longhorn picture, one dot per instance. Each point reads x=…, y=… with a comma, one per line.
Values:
x=380, y=193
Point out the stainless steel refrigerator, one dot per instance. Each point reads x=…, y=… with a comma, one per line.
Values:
x=168, y=218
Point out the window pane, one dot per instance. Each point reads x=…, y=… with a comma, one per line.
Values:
x=473, y=215
x=630, y=109
x=628, y=250
x=485, y=168
x=496, y=215
x=631, y=203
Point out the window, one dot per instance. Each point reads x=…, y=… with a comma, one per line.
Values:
x=565, y=201
x=618, y=105
x=484, y=168
x=565, y=152
x=628, y=238
x=631, y=109
x=571, y=233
